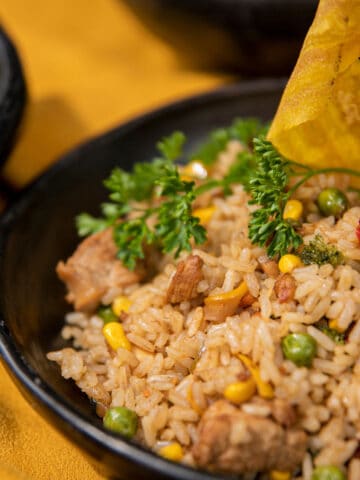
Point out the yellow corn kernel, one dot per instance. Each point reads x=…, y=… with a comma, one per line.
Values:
x=173, y=452
x=288, y=262
x=334, y=325
x=240, y=392
x=277, y=475
x=264, y=389
x=194, y=170
x=115, y=336
x=293, y=210
x=204, y=214
x=121, y=304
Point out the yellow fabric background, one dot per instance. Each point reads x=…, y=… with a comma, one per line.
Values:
x=89, y=65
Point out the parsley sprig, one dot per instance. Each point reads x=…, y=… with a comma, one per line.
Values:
x=167, y=219
x=170, y=203
x=268, y=188
x=152, y=205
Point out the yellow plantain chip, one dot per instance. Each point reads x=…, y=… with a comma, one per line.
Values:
x=318, y=119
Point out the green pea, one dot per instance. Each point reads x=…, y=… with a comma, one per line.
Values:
x=328, y=473
x=332, y=201
x=121, y=420
x=106, y=314
x=300, y=348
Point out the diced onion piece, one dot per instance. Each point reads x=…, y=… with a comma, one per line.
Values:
x=222, y=305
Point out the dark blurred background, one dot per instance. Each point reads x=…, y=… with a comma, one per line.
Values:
x=253, y=37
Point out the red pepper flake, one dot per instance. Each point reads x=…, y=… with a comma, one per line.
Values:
x=357, y=231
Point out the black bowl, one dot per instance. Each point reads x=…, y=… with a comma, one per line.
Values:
x=39, y=230
x=12, y=94
x=248, y=36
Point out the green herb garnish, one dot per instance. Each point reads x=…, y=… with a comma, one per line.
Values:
x=336, y=336
x=167, y=221
x=269, y=186
x=169, y=198
x=170, y=203
x=321, y=253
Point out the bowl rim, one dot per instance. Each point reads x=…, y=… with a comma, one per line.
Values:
x=13, y=93
x=16, y=364
x=5, y=64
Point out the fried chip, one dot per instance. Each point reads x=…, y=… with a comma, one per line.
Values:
x=318, y=119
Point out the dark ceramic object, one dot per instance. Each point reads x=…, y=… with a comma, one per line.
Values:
x=12, y=94
x=38, y=230
x=247, y=36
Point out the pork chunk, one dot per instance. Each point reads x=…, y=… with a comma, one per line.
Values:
x=285, y=287
x=93, y=269
x=187, y=276
x=283, y=412
x=268, y=266
x=233, y=441
x=247, y=300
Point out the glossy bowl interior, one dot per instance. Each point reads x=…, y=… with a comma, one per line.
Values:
x=12, y=94
x=39, y=230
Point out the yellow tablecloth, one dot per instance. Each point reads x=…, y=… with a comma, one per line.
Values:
x=89, y=65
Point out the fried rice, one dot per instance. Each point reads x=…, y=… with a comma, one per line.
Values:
x=181, y=361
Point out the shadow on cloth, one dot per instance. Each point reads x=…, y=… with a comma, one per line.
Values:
x=50, y=126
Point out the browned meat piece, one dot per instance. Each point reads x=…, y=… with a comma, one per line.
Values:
x=247, y=300
x=93, y=269
x=187, y=276
x=285, y=287
x=233, y=441
x=268, y=266
x=283, y=412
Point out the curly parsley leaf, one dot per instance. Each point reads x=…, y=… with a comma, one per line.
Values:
x=169, y=201
x=130, y=237
x=171, y=146
x=268, y=187
x=242, y=129
x=87, y=224
x=176, y=226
